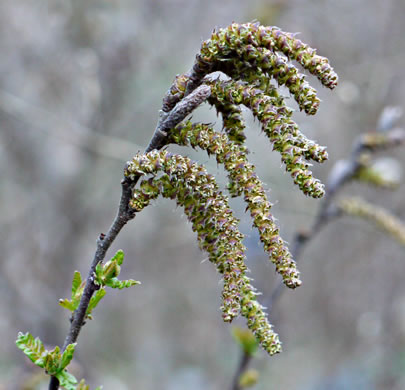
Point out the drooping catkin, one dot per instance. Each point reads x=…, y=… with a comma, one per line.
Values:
x=208, y=211
x=243, y=180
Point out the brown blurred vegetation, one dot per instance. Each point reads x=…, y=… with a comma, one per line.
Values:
x=81, y=84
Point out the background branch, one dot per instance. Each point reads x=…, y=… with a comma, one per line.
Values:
x=342, y=173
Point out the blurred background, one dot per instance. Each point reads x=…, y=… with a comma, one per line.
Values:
x=81, y=83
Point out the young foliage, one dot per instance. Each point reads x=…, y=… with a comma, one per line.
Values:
x=77, y=291
x=245, y=339
x=54, y=362
x=248, y=379
x=106, y=275
x=94, y=301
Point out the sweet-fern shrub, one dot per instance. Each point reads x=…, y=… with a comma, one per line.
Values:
x=256, y=60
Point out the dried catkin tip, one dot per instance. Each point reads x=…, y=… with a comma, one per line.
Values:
x=384, y=220
x=208, y=211
x=243, y=180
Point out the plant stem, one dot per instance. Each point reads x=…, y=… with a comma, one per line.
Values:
x=159, y=139
x=104, y=242
x=243, y=365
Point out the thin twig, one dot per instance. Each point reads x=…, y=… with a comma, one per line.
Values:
x=242, y=367
x=177, y=114
x=125, y=213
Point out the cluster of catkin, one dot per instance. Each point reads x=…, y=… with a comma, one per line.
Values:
x=251, y=56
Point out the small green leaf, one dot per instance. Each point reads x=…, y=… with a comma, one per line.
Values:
x=246, y=339
x=82, y=385
x=98, y=274
x=76, y=282
x=120, y=284
x=111, y=270
x=52, y=361
x=95, y=299
x=66, y=380
x=119, y=257
x=106, y=275
x=32, y=348
x=67, y=304
x=77, y=292
x=67, y=356
x=249, y=378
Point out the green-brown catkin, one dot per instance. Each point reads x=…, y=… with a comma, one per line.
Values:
x=276, y=40
x=208, y=211
x=311, y=150
x=243, y=180
x=280, y=129
x=251, y=55
x=205, y=207
x=250, y=45
x=306, y=56
x=284, y=72
x=258, y=46
x=233, y=122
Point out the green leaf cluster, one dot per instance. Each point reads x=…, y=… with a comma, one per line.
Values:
x=246, y=339
x=77, y=292
x=105, y=275
x=248, y=379
x=54, y=362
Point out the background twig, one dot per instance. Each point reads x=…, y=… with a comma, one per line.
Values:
x=342, y=173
